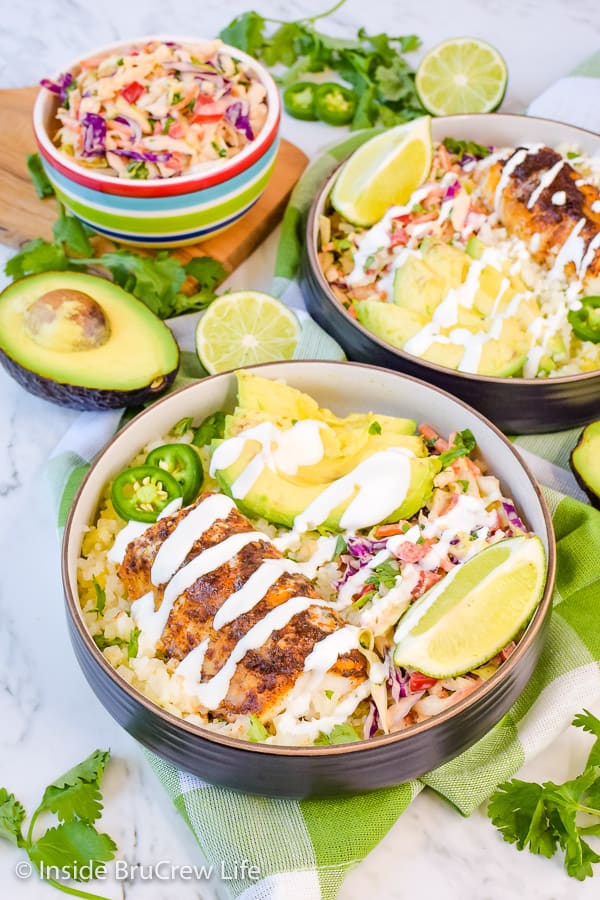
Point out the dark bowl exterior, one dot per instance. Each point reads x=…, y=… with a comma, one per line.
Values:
x=296, y=775
x=515, y=405
x=298, y=772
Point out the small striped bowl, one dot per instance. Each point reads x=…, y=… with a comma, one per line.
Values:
x=162, y=212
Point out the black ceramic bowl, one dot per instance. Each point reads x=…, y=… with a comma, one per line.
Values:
x=291, y=771
x=516, y=405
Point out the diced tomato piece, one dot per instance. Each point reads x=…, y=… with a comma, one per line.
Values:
x=176, y=129
x=399, y=238
x=412, y=553
x=426, y=580
x=133, y=92
x=429, y=433
x=418, y=682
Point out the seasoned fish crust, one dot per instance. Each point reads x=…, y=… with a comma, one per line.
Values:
x=265, y=676
x=552, y=222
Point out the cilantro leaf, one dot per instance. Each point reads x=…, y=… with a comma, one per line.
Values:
x=100, y=597
x=471, y=148
x=180, y=428
x=70, y=231
x=38, y=176
x=256, y=730
x=76, y=794
x=374, y=428
x=71, y=847
x=133, y=643
x=517, y=809
x=207, y=271
x=245, y=32
x=340, y=546
x=464, y=443
x=591, y=724
x=154, y=279
x=212, y=428
x=37, y=256
x=12, y=814
x=384, y=574
x=340, y=734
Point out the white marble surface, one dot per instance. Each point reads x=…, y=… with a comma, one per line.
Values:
x=49, y=719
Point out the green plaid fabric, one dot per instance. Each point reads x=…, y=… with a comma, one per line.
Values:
x=305, y=848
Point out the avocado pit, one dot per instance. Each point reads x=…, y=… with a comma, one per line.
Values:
x=67, y=321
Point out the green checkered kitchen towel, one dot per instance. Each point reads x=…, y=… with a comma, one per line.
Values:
x=303, y=849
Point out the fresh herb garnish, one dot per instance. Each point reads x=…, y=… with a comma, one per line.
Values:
x=74, y=846
x=464, y=443
x=180, y=428
x=470, y=148
x=384, y=574
x=373, y=65
x=464, y=484
x=544, y=817
x=340, y=546
x=374, y=428
x=573, y=154
x=155, y=279
x=339, y=734
x=138, y=169
x=256, y=730
x=100, y=598
x=212, y=428
x=329, y=694
x=132, y=644
x=38, y=176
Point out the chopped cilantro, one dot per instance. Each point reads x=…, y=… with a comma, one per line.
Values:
x=256, y=730
x=464, y=443
x=470, y=148
x=384, y=574
x=340, y=546
x=339, y=734
x=132, y=644
x=374, y=428
x=212, y=428
x=100, y=597
x=329, y=694
x=464, y=484
x=180, y=428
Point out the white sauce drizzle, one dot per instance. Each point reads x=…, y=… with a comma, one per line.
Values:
x=211, y=693
x=380, y=483
x=176, y=547
x=572, y=250
x=559, y=198
x=282, y=450
x=252, y=591
x=545, y=181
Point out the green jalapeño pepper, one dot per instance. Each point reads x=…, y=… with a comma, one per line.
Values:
x=334, y=103
x=142, y=492
x=299, y=100
x=585, y=321
x=182, y=462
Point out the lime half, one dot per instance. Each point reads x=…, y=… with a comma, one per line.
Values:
x=244, y=328
x=464, y=75
x=475, y=611
x=383, y=172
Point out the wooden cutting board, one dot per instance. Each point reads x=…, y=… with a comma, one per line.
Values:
x=24, y=216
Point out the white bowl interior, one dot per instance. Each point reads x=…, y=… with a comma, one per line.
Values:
x=342, y=387
x=46, y=104
x=506, y=130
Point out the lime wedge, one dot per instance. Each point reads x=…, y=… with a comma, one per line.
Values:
x=383, y=172
x=475, y=611
x=464, y=75
x=243, y=328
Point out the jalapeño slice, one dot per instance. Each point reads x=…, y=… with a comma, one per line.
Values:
x=334, y=103
x=585, y=321
x=299, y=100
x=142, y=492
x=181, y=462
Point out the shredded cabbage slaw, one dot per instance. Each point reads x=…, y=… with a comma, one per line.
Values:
x=158, y=110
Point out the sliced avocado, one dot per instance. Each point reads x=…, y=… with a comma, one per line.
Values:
x=82, y=341
x=500, y=360
x=280, y=496
x=585, y=462
x=417, y=287
x=444, y=354
x=393, y=324
x=447, y=261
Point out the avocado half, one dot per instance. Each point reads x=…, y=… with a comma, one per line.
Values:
x=81, y=341
x=585, y=462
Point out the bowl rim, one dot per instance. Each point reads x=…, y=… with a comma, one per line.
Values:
x=198, y=731
x=311, y=231
x=265, y=136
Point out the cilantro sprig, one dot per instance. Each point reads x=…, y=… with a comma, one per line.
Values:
x=547, y=817
x=373, y=65
x=339, y=734
x=464, y=444
x=74, y=845
x=155, y=279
